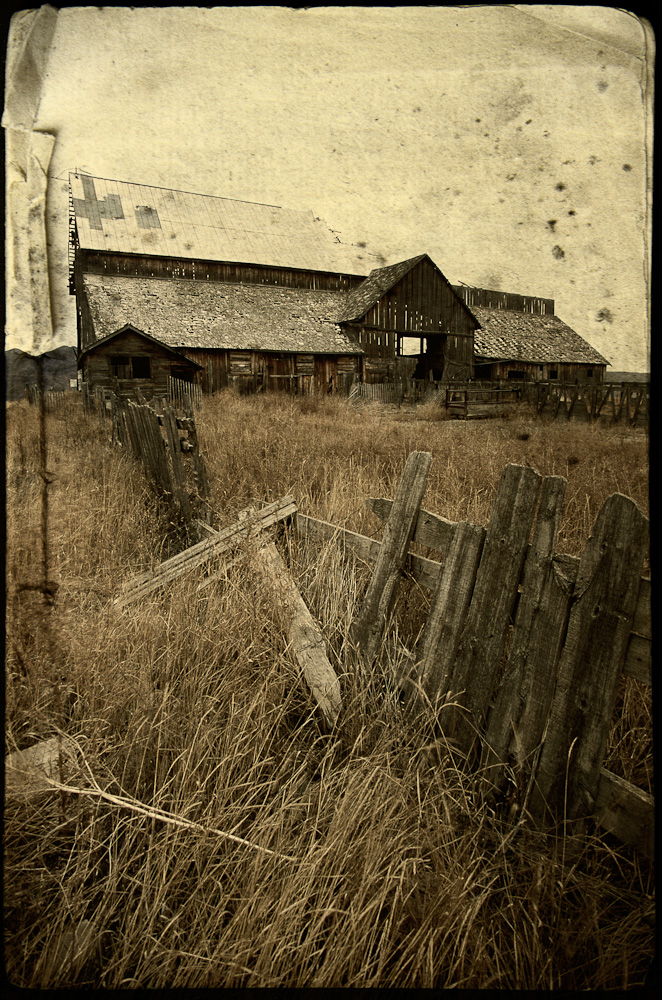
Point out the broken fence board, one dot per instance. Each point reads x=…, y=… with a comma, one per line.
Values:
x=606, y=592
x=368, y=627
x=200, y=553
x=626, y=811
x=484, y=635
x=517, y=718
x=304, y=634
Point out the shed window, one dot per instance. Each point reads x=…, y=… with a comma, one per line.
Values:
x=123, y=366
x=553, y=373
x=589, y=373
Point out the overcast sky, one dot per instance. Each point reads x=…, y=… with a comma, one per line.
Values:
x=507, y=142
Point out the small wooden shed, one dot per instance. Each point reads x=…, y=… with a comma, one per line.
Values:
x=128, y=359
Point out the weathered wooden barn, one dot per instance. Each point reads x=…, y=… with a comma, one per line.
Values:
x=520, y=337
x=237, y=293
x=411, y=299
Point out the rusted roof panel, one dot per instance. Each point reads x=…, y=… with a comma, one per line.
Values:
x=136, y=218
x=509, y=335
x=183, y=313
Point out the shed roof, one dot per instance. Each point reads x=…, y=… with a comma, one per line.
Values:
x=138, y=218
x=509, y=335
x=187, y=314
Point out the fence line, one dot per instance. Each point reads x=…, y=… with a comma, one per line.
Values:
x=182, y=393
x=51, y=399
x=523, y=649
x=628, y=402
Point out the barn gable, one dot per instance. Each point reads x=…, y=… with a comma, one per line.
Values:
x=416, y=296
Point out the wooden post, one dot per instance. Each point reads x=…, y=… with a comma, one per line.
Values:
x=368, y=627
x=304, y=635
x=606, y=593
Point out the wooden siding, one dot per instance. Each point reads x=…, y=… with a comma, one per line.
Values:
x=132, y=265
x=249, y=371
x=97, y=366
x=490, y=299
x=536, y=373
x=421, y=302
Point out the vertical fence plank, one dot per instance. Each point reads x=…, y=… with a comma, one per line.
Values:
x=176, y=470
x=451, y=599
x=606, y=593
x=484, y=634
x=518, y=716
x=369, y=624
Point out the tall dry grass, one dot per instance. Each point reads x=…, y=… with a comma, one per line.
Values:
x=224, y=839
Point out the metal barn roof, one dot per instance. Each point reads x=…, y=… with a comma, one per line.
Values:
x=509, y=335
x=188, y=314
x=136, y=218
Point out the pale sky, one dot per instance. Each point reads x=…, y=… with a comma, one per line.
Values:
x=507, y=142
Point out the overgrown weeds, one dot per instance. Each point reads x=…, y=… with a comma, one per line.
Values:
x=366, y=858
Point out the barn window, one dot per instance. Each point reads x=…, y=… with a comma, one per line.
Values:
x=553, y=373
x=589, y=373
x=122, y=366
x=141, y=367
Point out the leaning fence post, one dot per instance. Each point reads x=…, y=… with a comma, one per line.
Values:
x=368, y=627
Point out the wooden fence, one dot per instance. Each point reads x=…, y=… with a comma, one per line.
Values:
x=523, y=649
x=183, y=394
x=51, y=399
x=627, y=403
x=165, y=443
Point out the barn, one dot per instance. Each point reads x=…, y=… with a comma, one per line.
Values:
x=233, y=293
x=520, y=337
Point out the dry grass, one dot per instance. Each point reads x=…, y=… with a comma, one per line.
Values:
x=384, y=870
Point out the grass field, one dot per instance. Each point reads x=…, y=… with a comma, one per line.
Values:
x=226, y=840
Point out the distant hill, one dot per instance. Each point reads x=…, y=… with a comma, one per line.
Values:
x=59, y=365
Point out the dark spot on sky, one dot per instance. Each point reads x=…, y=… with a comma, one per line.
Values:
x=552, y=224
x=528, y=121
x=572, y=212
x=627, y=168
x=560, y=186
x=602, y=86
x=593, y=160
x=417, y=109
x=361, y=243
x=604, y=315
x=479, y=119
x=558, y=253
